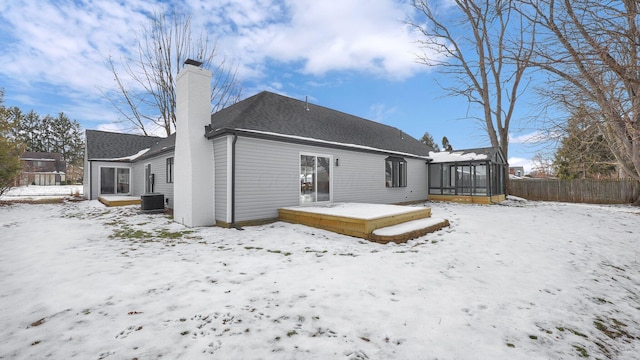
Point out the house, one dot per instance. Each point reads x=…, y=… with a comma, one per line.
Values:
x=114, y=161
x=42, y=168
x=241, y=164
x=517, y=171
x=471, y=175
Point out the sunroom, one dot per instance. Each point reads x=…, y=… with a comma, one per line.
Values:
x=470, y=176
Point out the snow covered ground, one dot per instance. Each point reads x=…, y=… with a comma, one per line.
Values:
x=38, y=192
x=527, y=280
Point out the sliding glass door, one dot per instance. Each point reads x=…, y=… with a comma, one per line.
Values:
x=315, y=178
x=115, y=180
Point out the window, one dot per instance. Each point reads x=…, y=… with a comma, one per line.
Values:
x=169, y=170
x=395, y=172
x=114, y=180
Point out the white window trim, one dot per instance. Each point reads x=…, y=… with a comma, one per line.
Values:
x=115, y=179
x=331, y=171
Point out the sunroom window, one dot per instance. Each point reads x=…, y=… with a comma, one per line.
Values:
x=395, y=172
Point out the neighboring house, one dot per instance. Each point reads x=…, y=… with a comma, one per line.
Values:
x=239, y=165
x=516, y=171
x=471, y=175
x=41, y=168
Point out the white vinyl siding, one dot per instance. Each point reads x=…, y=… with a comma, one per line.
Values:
x=159, y=169
x=267, y=177
x=220, y=173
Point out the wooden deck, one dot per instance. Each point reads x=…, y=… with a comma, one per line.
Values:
x=119, y=200
x=347, y=219
x=466, y=199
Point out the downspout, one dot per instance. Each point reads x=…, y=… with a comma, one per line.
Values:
x=233, y=183
x=489, y=175
x=90, y=179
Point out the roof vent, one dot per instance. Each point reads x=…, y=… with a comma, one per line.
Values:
x=306, y=100
x=192, y=62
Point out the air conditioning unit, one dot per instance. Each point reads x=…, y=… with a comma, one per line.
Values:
x=152, y=202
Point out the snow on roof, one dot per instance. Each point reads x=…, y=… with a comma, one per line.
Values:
x=355, y=146
x=455, y=156
x=126, y=158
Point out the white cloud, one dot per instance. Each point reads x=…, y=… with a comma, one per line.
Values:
x=380, y=112
x=61, y=46
x=531, y=138
x=323, y=36
x=66, y=42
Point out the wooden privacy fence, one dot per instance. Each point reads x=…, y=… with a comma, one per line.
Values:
x=577, y=191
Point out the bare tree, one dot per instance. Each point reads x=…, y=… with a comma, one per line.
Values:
x=163, y=46
x=484, y=48
x=590, y=51
x=542, y=166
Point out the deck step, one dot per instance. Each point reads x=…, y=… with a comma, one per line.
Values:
x=119, y=200
x=407, y=231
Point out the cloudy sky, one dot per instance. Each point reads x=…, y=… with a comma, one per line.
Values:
x=356, y=56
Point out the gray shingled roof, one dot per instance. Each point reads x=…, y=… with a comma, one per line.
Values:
x=161, y=146
x=273, y=113
x=109, y=145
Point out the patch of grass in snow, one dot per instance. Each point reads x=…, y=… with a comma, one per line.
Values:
x=581, y=351
x=615, y=267
x=37, y=323
x=114, y=222
x=574, y=332
x=613, y=329
x=128, y=233
x=279, y=252
x=318, y=253
x=172, y=235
